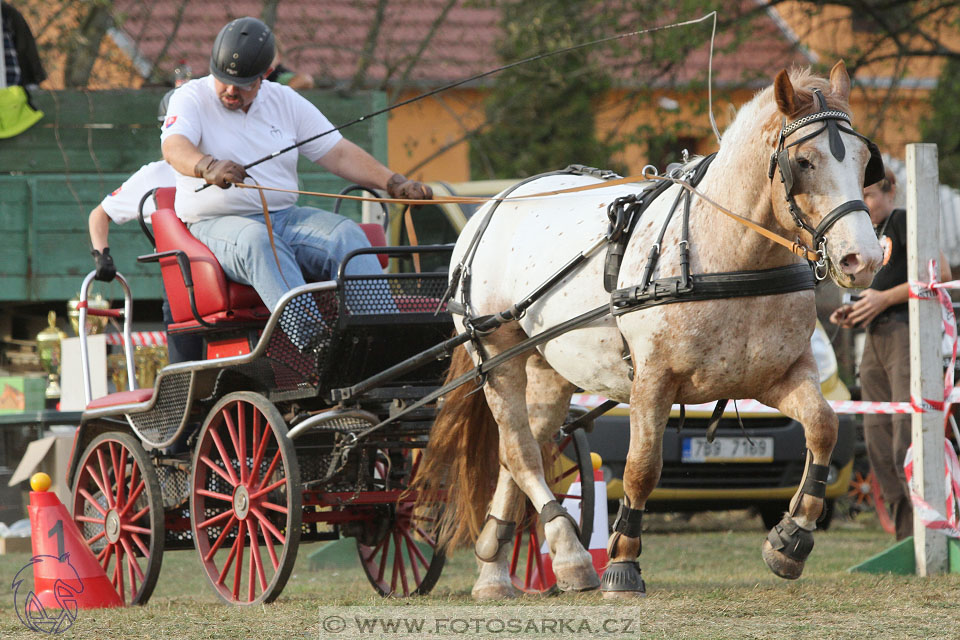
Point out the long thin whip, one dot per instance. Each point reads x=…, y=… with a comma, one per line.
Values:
x=540, y=56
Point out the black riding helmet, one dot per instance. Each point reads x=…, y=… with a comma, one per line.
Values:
x=242, y=52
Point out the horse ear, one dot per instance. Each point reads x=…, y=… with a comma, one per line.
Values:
x=784, y=93
x=840, y=80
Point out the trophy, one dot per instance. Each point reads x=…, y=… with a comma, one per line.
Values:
x=48, y=349
x=95, y=324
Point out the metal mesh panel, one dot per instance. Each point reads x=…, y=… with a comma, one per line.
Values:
x=315, y=448
x=158, y=425
x=396, y=294
x=174, y=485
x=297, y=352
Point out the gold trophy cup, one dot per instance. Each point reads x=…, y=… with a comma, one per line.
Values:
x=48, y=349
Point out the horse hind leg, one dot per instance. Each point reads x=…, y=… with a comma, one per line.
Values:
x=546, y=402
x=789, y=543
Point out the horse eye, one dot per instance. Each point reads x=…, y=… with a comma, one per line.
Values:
x=803, y=163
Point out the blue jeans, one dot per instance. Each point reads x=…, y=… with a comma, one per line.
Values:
x=311, y=244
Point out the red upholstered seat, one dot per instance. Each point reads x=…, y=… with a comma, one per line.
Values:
x=218, y=299
x=122, y=397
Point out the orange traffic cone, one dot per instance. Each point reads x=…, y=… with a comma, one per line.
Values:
x=66, y=575
x=601, y=526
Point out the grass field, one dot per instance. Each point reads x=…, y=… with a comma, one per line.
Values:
x=705, y=579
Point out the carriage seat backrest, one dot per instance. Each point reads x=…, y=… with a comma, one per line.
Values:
x=214, y=293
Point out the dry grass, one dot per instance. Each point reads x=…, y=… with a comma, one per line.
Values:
x=704, y=576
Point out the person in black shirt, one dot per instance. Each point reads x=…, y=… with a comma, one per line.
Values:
x=885, y=367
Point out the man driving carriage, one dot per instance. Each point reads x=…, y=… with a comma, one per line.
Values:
x=234, y=116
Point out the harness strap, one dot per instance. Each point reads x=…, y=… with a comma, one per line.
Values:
x=553, y=510
x=582, y=421
x=714, y=286
x=629, y=521
x=715, y=419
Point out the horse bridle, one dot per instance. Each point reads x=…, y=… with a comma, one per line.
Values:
x=780, y=159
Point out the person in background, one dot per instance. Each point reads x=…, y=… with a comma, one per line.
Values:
x=219, y=123
x=121, y=206
x=282, y=75
x=885, y=367
x=20, y=57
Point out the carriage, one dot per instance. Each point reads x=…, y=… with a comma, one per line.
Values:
x=264, y=444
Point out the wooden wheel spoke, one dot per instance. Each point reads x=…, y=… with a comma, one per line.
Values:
x=399, y=566
x=269, y=545
x=100, y=485
x=215, y=519
x=221, y=538
x=238, y=542
x=118, y=458
x=134, y=496
x=139, y=542
x=98, y=521
x=564, y=496
x=539, y=558
x=105, y=477
x=415, y=557
x=129, y=528
x=415, y=550
x=132, y=560
x=572, y=469
x=429, y=539
x=104, y=556
x=90, y=541
x=274, y=507
x=273, y=465
x=385, y=551
x=261, y=451
x=256, y=563
x=118, y=570
x=216, y=468
x=93, y=503
x=374, y=551
x=213, y=494
x=238, y=570
x=254, y=442
x=276, y=485
x=242, y=450
x=232, y=430
x=218, y=443
x=269, y=525
x=134, y=472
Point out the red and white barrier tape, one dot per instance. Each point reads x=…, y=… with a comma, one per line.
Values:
x=139, y=338
x=936, y=290
x=948, y=524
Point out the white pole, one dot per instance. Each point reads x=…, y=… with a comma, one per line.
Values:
x=926, y=364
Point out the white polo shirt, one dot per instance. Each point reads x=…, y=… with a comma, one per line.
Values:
x=278, y=118
x=122, y=204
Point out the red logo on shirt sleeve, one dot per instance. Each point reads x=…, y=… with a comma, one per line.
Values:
x=116, y=191
x=169, y=122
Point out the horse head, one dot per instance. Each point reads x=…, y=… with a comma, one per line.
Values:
x=823, y=165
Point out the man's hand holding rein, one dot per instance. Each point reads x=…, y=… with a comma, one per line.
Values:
x=219, y=172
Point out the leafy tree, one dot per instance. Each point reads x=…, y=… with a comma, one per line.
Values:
x=940, y=126
x=542, y=114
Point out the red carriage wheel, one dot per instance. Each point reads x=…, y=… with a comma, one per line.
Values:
x=529, y=564
x=119, y=510
x=403, y=559
x=245, y=500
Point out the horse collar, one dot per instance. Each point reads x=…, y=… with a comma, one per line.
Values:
x=780, y=160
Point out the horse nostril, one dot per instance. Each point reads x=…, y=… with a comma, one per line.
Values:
x=850, y=263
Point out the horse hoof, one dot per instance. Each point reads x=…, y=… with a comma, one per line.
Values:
x=576, y=578
x=780, y=564
x=622, y=580
x=495, y=592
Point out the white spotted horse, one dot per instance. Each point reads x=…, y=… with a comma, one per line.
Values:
x=698, y=309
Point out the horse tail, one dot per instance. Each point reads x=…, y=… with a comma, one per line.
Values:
x=461, y=462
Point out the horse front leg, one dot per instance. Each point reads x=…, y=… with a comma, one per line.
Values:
x=548, y=399
x=798, y=396
x=650, y=404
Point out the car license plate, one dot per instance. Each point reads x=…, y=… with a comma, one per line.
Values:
x=727, y=450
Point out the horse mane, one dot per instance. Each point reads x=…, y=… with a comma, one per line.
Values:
x=763, y=108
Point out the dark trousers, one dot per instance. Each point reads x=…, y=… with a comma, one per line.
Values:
x=180, y=347
x=885, y=377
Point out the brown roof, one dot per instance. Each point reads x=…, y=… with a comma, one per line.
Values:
x=327, y=39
